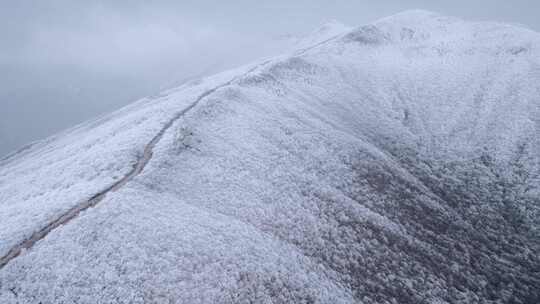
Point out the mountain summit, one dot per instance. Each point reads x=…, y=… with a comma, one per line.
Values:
x=396, y=162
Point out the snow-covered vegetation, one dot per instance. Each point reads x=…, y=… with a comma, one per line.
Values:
x=396, y=162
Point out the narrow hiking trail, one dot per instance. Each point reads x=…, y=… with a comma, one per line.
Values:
x=138, y=167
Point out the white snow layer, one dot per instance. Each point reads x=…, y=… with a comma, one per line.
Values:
x=247, y=198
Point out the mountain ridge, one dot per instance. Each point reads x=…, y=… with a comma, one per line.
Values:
x=368, y=168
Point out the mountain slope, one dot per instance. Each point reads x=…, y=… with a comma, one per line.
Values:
x=395, y=162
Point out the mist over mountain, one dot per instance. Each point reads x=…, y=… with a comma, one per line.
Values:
x=394, y=162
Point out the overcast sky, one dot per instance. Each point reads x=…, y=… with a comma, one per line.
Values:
x=63, y=62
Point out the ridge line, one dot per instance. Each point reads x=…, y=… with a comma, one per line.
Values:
x=137, y=169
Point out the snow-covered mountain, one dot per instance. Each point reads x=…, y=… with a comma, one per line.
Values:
x=325, y=32
x=396, y=162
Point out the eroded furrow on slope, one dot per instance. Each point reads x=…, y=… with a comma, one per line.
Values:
x=139, y=166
